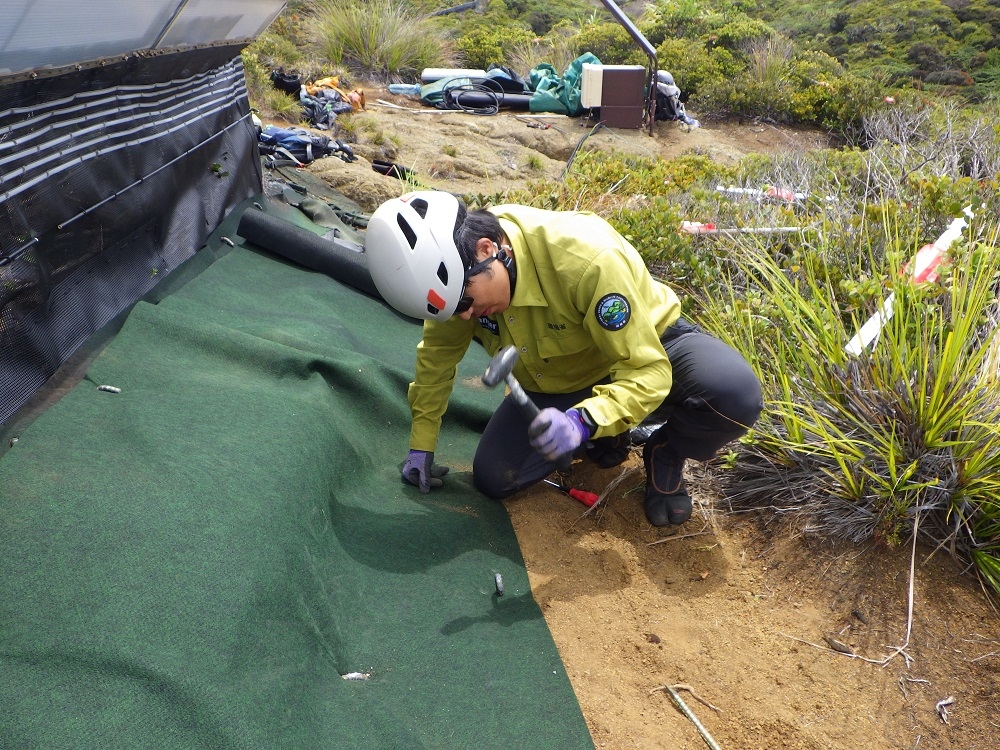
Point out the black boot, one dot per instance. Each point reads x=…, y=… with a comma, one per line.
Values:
x=667, y=501
x=610, y=451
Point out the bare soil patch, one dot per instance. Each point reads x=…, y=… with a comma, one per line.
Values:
x=741, y=612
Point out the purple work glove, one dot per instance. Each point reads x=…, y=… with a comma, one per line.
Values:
x=420, y=470
x=555, y=433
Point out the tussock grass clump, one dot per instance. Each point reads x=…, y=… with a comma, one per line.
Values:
x=856, y=447
x=377, y=38
x=555, y=48
x=267, y=53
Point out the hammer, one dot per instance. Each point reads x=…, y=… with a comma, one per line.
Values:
x=499, y=369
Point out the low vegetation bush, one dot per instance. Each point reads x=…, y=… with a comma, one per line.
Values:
x=488, y=44
x=610, y=43
x=696, y=68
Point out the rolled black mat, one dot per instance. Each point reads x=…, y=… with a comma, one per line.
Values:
x=473, y=98
x=338, y=258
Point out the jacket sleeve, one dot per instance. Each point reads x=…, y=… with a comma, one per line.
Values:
x=438, y=354
x=610, y=291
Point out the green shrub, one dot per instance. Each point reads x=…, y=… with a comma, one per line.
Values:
x=814, y=67
x=543, y=15
x=672, y=19
x=807, y=104
x=737, y=34
x=949, y=78
x=610, y=43
x=275, y=50
x=925, y=56
x=488, y=44
x=854, y=98
x=745, y=96
x=976, y=36
x=693, y=67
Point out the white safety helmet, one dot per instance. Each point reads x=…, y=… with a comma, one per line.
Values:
x=663, y=76
x=412, y=255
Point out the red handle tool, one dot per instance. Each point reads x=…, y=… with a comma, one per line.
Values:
x=587, y=498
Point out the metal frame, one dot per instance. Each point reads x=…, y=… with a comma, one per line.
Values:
x=649, y=49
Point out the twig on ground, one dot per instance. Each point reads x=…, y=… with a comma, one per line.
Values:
x=880, y=662
x=904, y=679
x=909, y=606
x=984, y=656
x=941, y=707
x=683, y=707
x=414, y=110
x=599, y=503
x=684, y=686
x=832, y=650
x=680, y=536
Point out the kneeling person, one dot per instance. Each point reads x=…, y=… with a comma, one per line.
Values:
x=602, y=345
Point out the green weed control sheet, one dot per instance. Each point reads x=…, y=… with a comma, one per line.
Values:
x=199, y=560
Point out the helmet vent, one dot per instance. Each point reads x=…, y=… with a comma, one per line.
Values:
x=420, y=206
x=442, y=274
x=411, y=236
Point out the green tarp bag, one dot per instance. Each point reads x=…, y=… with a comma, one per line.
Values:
x=560, y=95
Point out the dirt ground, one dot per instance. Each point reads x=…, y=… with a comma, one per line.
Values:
x=734, y=610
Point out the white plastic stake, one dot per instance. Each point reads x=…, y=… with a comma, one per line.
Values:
x=768, y=192
x=923, y=268
x=871, y=329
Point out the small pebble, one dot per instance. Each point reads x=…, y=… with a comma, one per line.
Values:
x=498, y=579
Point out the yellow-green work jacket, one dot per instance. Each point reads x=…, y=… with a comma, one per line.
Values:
x=584, y=308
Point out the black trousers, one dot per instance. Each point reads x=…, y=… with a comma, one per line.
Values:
x=714, y=399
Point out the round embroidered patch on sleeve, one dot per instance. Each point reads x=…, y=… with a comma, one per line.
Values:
x=613, y=311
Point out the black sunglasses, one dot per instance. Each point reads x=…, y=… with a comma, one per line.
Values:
x=465, y=302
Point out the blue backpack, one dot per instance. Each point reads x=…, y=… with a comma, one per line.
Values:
x=297, y=143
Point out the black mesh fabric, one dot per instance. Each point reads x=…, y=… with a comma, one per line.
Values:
x=110, y=177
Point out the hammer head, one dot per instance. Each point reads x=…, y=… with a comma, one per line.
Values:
x=500, y=367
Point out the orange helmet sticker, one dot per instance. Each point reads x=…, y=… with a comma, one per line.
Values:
x=435, y=299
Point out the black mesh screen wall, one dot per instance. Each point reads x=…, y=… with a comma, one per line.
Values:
x=111, y=175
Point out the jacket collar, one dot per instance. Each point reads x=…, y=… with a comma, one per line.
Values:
x=528, y=291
